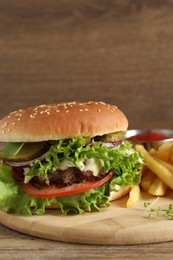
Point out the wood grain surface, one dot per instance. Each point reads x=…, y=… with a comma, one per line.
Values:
x=117, y=51
x=115, y=225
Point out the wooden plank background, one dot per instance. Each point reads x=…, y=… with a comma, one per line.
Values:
x=120, y=52
x=117, y=51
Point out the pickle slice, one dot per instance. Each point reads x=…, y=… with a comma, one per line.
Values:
x=112, y=137
x=27, y=152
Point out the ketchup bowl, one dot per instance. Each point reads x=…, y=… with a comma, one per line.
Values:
x=150, y=138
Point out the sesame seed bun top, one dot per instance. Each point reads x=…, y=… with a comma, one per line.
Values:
x=60, y=121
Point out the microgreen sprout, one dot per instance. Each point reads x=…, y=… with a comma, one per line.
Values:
x=159, y=212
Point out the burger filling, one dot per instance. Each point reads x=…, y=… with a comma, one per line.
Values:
x=87, y=169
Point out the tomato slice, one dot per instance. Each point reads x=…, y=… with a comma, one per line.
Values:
x=53, y=191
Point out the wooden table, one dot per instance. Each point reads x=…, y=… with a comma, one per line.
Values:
x=120, y=52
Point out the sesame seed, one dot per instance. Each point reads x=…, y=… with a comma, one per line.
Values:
x=18, y=119
x=98, y=110
x=57, y=110
x=86, y=109
x=9, y=129
x=80, y=110
x=4, y=125
x=47, y=110
x=31, y=116
x=67, y=111
x=13, y=123
x=71, y=103
x=13, y=112
x=42, y=106
x=3, y=131
x=41, y=112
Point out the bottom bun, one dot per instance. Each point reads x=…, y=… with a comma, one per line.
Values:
x=115, y=195
x=121, y=191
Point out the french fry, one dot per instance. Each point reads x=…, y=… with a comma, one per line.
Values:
x=152, y=152
x=156, y=167
x=134, y=196
x=171, y=155
x=147, y=180
x=171, y=158
x=164, y=151
x=166, y=164
x=157, y=188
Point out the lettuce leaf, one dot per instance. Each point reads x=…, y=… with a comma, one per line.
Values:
x=14, y=200
x=122, y=160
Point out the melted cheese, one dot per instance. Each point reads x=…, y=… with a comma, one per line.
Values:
x=91, y=164
x=65, y=164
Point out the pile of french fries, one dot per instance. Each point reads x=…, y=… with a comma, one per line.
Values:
x=157, y=173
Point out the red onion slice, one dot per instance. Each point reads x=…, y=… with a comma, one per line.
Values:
x=112, y=144
x=108, y=144
x=25, y=163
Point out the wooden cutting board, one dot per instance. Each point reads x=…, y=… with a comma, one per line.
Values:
x=113, y=225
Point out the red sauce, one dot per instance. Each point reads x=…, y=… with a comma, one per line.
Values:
x=150, y=136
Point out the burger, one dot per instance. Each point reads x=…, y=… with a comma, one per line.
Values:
x=71, y=156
